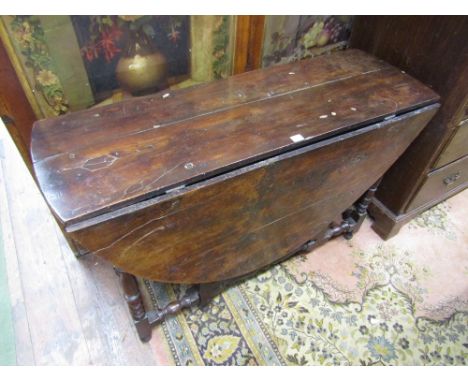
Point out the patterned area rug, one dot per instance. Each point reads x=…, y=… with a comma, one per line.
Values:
x=357, y=302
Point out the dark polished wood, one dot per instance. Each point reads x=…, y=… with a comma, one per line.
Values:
x=15, y=110
x=190, y=298
x=249, y=43
x=442, y=181
x=135, y=304
x=456, y=148
x=436, y=54
x=211, y=184
x=202, y=294
x=138, y=149
x=235, y=223
x=356, y=215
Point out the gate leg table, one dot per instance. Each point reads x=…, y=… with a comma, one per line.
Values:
x=210, y=184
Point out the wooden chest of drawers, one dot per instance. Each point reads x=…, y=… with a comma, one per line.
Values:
x=212, y=183
x=435, y=166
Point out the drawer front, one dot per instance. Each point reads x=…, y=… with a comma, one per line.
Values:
x=462, y=116
x=457, y=148
x=442, y=181
x=236, y=223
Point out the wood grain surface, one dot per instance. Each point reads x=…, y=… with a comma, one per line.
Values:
x=65, y=312
x=92, y=162
x=15, y=109
x=436, y=54
x=238, y=222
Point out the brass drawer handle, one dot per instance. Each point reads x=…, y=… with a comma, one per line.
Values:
x=452, y=178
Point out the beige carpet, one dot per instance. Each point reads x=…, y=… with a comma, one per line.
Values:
x=357, y=302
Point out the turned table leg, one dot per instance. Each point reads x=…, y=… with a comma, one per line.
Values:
x=203, y=293
x=191, y=298
x=353, y=217
x=135, y=304
x=144, y=320
x=359, y=212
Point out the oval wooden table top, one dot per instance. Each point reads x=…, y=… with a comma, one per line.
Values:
x=98, y=160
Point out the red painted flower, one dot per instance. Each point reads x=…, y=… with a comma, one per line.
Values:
x=108, y=46
x=174, y=35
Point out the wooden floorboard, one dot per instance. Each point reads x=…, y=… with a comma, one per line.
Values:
x=23, y=343
x=106, y=322
x=54, y=323
x=66, y=311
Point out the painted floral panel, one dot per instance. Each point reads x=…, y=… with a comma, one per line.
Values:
x=291, y=38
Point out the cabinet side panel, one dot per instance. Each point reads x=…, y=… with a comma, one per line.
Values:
x=437, y=55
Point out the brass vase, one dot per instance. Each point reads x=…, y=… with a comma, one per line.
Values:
x=142, y=69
